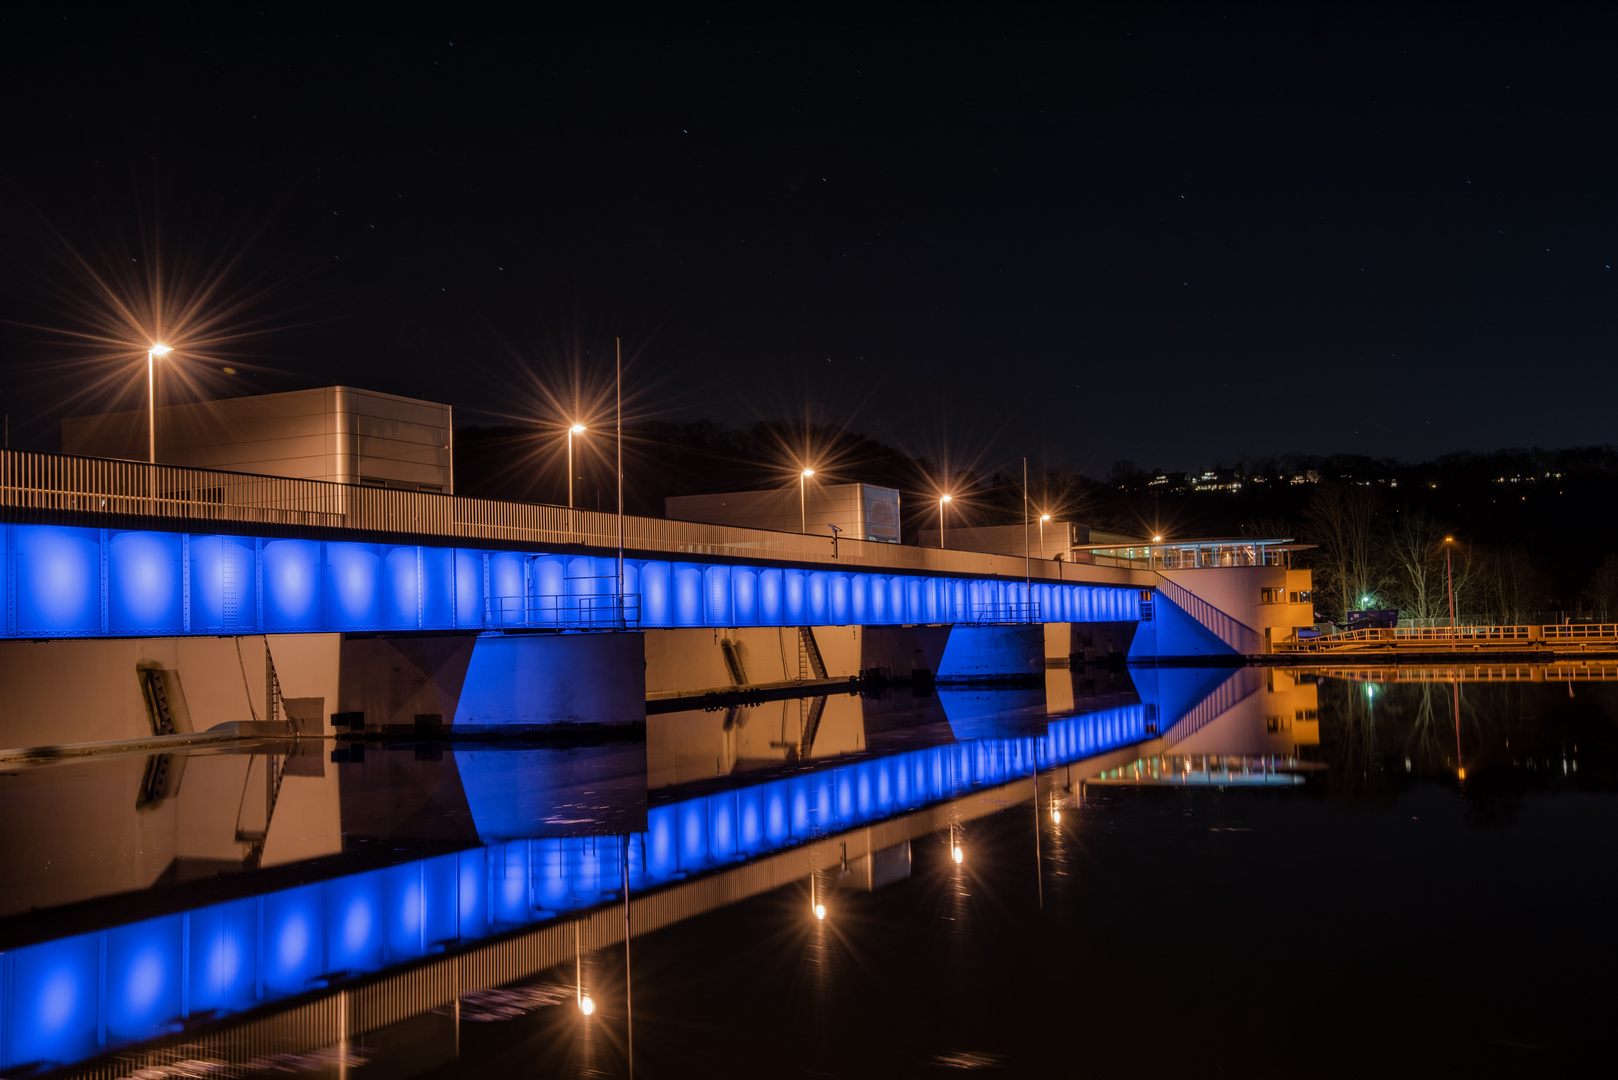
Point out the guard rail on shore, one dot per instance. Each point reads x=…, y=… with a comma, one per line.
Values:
x=1441, y=638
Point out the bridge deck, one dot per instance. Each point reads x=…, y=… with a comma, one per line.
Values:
x=100, y=548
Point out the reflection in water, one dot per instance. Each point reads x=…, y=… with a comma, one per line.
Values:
x=138, y=910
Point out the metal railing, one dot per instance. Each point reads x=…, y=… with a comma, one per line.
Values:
x=610, y=612
x=1444, y=636
x=1193, y=556
x=1580, y=632
x=1233, y=632
x=56, y=483
x=1011, y=612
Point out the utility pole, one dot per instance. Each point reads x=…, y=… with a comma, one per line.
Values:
x=1027, y=568
x=618, y=348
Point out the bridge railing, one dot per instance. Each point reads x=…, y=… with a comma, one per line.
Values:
x=1013, y=612
x=610, y=612
x=34, y=482
x=1232, y=631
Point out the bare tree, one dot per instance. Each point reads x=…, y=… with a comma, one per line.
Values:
x=1342, y=520
x=1414, y=551
x=1603, y=588
x=1511, y=588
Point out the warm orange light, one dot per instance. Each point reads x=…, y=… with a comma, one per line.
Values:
x=586, y=1006
x=959, y=855
x=1157, y=539
x=1044, y=517
x=1449, y=539
x=578, y=429
x=1056, y=816
x=808, y=472
x=820, y=911
x=1463, y=774
x=945, y=498
x=160, y=350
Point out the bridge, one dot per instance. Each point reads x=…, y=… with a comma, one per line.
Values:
x=333, y=597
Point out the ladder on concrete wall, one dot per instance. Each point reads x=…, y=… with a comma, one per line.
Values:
x=810, y=663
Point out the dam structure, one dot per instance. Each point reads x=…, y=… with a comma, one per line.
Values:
x=374, y=607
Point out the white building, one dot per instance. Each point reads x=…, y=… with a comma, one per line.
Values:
x=334, y=433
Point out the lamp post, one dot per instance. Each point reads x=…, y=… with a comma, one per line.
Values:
x=942, y=499
x=803, y=515
x=151, y=400
x=1449, y=581
x=576, y=429
x=1043, y=518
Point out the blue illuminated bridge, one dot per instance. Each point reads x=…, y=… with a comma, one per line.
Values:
x=97, y=548
x=64, y=999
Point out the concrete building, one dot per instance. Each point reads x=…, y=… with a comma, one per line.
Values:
x=860, y=511
x=334, y=433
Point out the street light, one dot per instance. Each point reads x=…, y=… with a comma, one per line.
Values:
x=151, y=400
x=576, y=429
x=1043, y=518
x=1449, y=578
x=803, y=517
x=942, y=499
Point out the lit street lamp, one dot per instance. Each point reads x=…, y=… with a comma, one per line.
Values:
x=942, y=499
x=803, y=516
x=1449, y=577
x=151, y=400
x=1043, y=518
x=576, y=429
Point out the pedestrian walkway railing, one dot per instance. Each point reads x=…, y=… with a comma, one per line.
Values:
x=1013, y=612
x=36, y=486
x=1233, y=632
x=1444, y=637
x=611, y=612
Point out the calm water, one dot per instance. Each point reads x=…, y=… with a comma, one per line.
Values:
x=1172, y=871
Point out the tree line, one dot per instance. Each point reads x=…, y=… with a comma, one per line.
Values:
x=1534, y=530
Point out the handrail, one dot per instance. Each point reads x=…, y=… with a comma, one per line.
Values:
x=563, y=612
x=1605, y=633
x=36, y=481
x=1233, y=632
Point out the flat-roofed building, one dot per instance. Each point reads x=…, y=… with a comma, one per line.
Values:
x=859, y=511
x=335, y=433
x=1065, y=540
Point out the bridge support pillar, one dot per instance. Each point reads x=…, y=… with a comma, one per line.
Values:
x=993, y=654
x=537, y=682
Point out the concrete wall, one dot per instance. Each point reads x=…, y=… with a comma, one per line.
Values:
x=693, y=660
x=695, y=745
x=72, y=691
x=535, y=681
x=74, y=832
x=88, y=690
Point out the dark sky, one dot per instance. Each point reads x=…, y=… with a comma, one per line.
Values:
x=1173, y=235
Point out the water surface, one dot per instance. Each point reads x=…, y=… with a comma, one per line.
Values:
x=1260, y=871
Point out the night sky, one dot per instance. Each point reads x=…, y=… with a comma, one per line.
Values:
x=1171, y=235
